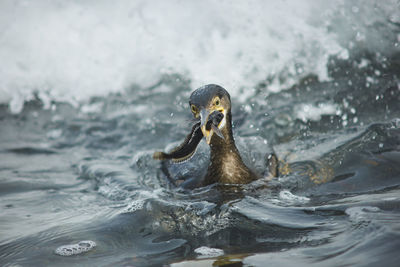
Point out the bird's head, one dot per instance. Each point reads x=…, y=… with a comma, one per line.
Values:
x=211, y=104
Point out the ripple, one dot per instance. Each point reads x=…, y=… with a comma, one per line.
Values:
x=31, y=151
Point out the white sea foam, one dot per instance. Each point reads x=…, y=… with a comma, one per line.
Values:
x=361, y=214
x=207, y=252
x=306, y=112
x=134, y=206
x=287, y=196
x=75, y=249
x=72, y=50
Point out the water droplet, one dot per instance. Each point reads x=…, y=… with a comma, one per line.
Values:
x=345, y=103
x=360, y=36
x=54, y=134
x=355, y=9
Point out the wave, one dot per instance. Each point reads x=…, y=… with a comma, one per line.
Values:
x=74, y=50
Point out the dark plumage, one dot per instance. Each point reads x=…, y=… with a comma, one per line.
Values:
x=211, y=104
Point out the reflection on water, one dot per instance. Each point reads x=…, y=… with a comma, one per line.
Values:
x=81, y=180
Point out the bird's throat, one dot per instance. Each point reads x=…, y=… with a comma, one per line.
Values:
x=226, y=165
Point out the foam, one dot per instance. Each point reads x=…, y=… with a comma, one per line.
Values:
x=134, y=206
x=288, y=197
x=314, y=112
x=361, y=214
x=75, y=249
x=206, y=252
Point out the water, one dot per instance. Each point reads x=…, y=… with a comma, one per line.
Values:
x=90, y=90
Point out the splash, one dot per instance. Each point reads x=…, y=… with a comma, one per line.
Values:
x=206, y=252
x=73, y=50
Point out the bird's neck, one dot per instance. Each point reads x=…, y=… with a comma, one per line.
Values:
x=226, y=165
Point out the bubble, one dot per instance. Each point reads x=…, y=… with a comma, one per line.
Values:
x=283, y=119
x=134, y=206
x=75, y=249
x=209, y=252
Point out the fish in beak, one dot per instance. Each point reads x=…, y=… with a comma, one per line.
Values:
x=211, y=121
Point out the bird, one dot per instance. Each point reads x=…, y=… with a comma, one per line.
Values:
x=211, y=108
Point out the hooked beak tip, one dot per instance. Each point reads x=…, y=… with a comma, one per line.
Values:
x=207, y=134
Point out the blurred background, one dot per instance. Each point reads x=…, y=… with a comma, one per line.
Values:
x=73, y=50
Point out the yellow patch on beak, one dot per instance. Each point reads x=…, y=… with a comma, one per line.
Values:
x=207, y=134
x=204, y=118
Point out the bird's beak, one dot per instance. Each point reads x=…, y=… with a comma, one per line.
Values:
x=204, y=114
x=208, y=133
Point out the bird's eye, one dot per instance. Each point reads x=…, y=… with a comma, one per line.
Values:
x=217, y=102
x=194, y=109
